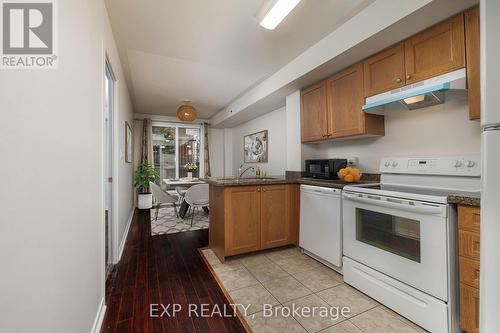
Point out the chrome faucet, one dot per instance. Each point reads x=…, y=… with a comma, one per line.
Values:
x=240, y=173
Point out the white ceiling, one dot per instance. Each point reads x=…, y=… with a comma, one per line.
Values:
x=210, y=52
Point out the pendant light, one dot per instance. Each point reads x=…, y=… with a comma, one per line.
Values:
x=187, y=112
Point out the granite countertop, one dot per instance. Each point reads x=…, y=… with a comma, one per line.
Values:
x=333, y=183
x=468, y=199
x=465, y=198
x=252, y=181
x=275, y=180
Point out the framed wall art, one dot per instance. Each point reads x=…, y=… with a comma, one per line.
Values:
x=255, y=147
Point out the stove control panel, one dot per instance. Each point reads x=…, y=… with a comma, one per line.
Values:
x=444, y=165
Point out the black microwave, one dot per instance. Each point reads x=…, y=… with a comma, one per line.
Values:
x=325, y=169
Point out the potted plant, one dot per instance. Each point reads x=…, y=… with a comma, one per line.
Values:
x=190, y=167
x=144, y=174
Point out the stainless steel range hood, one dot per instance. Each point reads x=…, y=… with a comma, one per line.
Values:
x=419, y=95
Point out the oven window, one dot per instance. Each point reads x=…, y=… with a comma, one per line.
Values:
x=394, y=234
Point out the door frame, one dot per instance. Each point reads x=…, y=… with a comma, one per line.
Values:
x=113, y=230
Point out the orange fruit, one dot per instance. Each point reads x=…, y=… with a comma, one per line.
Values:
x=342, y=173
x=357, y=177
x=349, y=178
x=355, y=172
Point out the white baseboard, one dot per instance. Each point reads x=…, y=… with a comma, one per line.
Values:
x=96, y=327
x=125, y=234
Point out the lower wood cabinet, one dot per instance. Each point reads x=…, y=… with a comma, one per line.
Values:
x=468, y=244
x=274, y=216
x=469, y=309
x=243, y=210
x=249, y=218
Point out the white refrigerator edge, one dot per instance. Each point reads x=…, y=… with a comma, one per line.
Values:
x=490, y=153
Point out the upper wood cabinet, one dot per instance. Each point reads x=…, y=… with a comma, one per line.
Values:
x=242, y=211
x=437, y=50
x=313, y=113
x=345, y=99
x=333, y=108
x=384, y=71
x=472, y=51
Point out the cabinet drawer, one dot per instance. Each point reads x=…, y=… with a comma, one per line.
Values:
x=469, y=218
x=469, y=309
x=469, y=244
x=469, y=272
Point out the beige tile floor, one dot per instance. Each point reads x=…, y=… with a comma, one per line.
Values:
x=287, y=279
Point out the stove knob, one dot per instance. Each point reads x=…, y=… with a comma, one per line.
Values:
x=470, y=164
x=394, y=163
x=458, y=164
x=387, y=163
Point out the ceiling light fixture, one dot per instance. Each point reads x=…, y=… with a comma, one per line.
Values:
x=273, y=12
x=187, y=112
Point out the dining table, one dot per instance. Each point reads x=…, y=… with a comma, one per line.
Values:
x=179, y=184
x=182, y=182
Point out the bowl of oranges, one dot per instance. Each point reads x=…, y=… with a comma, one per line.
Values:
x=349, y=175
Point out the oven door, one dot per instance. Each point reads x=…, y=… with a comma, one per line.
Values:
x=406, y=240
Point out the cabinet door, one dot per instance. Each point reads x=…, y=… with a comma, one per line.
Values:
x=242, y=219
x=472, y=51
x=313, y=113
x=435, y=51
x=345, y=98
x=384, y=71
x=275, y=216
x=469, y=309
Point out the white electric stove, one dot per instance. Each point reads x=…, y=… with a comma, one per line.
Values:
x=400, y=236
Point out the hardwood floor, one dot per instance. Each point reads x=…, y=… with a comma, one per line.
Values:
x=164, y=269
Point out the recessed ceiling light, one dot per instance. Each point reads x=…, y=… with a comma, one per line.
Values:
x=273, y=12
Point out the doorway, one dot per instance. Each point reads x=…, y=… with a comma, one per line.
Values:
x=109, y=95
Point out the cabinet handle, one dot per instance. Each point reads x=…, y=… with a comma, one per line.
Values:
x=263, y=190
x=258, y=190
x=398, y=80
x=324, y=135
x=328, y=135
x=408, y=76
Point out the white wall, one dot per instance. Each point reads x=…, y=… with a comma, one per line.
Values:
x=216, y=147
x=378, y=16
x=439, y=130
x=442, y=129
x=275, y=123
x=51, y=219
x=228, y=152
x=293, y=136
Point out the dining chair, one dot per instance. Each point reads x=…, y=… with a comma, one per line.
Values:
x=162, y=199
x=196, y=197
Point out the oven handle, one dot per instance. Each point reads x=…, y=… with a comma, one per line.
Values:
x=398, y=204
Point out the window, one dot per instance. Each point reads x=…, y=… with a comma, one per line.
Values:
x=175, y=145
